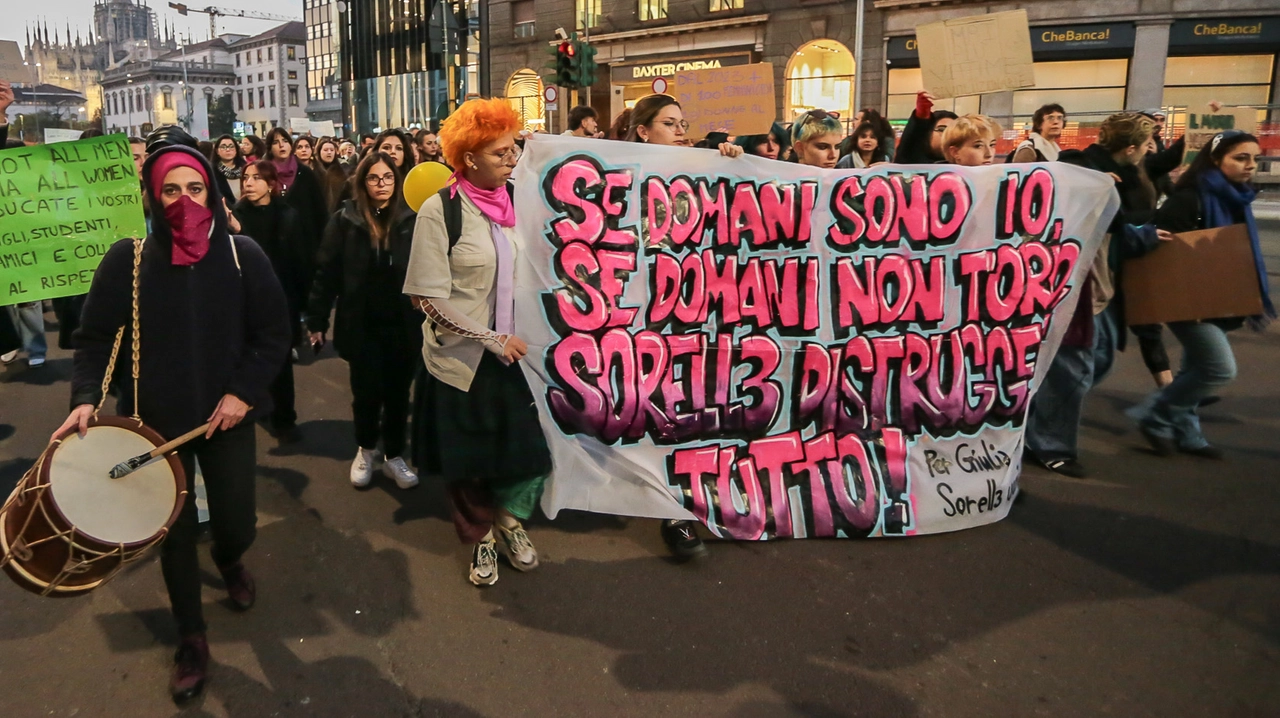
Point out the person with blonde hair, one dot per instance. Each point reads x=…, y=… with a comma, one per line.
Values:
x=815, y=137
x=970, y=141
x=475, y=422
x=1096, y=330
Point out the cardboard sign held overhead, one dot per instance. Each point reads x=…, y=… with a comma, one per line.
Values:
x=976, y=55
x=1208, y=274
x=738, y=100
x=52, y=135
x=1202, y=126
x=11, y=67
x=322, y=128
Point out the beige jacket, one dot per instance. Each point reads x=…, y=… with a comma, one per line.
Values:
x=464, y=276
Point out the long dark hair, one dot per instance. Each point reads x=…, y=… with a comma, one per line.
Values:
x=851, y=142
x=216, y=160
x=1210, y=157
x=406, y=144
x=270, y=140
x=320, y=163
x=267, y=171
x=379, y=226
x=259, y=147
x=646, y=111
x=311, y=141
x=621, y=124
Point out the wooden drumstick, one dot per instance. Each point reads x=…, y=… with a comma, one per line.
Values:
x=124, y=468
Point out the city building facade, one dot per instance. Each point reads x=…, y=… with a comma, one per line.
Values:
x=271, y=78
x=324, y=86
x=177, y=87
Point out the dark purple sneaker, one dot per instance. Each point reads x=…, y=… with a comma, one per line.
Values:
x=240, y=586
x=190, y=666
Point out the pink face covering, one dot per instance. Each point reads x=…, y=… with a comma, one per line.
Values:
x=190, y=225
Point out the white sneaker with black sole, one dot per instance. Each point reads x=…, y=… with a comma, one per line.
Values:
x=484, y=563
x=362, y=468
x=399, y=471
x=518, y=548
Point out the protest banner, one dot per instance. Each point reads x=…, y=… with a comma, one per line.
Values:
x=53, y=134
x=782, y=351
x=737, y=99
x=1202, y=126
x=61, y=207
x=1209, y=274
x=977, y=54
x=323, y=128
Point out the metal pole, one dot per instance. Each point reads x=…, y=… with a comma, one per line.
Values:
x=186, y=85
x=485, y=84
x=857, y=58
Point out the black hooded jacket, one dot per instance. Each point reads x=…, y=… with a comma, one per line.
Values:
x=216, y=327
x=277, y=228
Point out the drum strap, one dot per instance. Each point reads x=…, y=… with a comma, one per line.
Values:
x=136, y=336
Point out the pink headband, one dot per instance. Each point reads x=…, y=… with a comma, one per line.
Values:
x=166, y=163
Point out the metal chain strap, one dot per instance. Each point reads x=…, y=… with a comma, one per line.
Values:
x=137, y=330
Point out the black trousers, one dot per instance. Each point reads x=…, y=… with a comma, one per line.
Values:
x=228, y=462
x=283, y=413
x=381, y=374
x=1151, y=344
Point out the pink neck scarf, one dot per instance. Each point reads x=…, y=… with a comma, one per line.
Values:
x=287, y=171
x=493, y=203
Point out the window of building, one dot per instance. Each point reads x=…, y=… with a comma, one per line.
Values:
x=523, y=16
x=588, y=13
x=130, y=102
x=269, y=53
x=262, y=94
x=259, y=77
x=1192, y=82
x=166, y=98
x=251, y=99
x=271, y=75
x=820, y=76
x=293, y=74
x=524, y=92
x=291, y=52
x=240, y=99
x=718, y=5
x=293, y=95
x=237, y=59
x=273, y=97
x=259, y=54
x=653, y=9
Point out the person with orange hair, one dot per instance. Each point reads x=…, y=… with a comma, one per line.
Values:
x=475, y=422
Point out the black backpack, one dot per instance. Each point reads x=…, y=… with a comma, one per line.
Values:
x=453, y=213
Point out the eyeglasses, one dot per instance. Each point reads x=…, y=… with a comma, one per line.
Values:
x=819, y=115
x=510, y=154
x=672, y=124
x=377, y=181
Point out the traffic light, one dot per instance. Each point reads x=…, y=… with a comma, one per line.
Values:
x=567, y=63
x=586, y=64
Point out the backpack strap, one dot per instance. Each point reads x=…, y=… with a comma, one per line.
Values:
x=452, y=205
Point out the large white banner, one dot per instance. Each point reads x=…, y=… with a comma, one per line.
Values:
x=779, y=351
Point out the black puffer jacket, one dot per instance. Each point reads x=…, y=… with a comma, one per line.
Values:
x=216, y=327
x=342, y=273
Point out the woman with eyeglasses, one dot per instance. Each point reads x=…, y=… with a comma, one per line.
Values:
x=361, y=264
x=475, y=422
x=1215, y=191
x=228, y=165
x=275, y=227
x=300, y=189
x=921, y=142
x=659, y=120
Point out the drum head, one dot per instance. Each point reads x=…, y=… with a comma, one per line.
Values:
x=127, y=510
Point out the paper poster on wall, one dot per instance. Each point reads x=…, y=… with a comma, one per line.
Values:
x=61, y=207
x=782, y=351
x=977, y=54
x=738, y=100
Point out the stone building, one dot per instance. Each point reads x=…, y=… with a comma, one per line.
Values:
x=271, y=78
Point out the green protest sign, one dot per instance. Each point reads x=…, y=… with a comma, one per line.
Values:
x=61, y=207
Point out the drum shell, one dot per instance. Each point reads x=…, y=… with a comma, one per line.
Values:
x=36, y=567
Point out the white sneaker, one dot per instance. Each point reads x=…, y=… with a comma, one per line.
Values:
x=484, y=563
x=518, y=548
x=362, y=468
x=35, y=362
x=10, y=357
x=398, y=470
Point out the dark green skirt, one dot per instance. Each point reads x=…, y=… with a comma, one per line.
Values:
x=490, y=433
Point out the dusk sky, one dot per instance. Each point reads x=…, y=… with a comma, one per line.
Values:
x=19, y=14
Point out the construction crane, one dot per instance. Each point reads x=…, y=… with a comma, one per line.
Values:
x=215, y=12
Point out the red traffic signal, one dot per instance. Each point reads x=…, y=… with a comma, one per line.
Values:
x=567, y=49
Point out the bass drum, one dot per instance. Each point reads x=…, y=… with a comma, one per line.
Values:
x=68, y=527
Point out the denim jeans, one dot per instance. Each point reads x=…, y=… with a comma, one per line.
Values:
x=29, y=320
x=1207, y=363
x=1053, y=423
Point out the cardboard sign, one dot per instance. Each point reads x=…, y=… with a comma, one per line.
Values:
x=323, y=128
x=1202, y=126
x=738, y=100
x=1208, y=274
x=760, y=346
x=52, y=134
x=11, y=67
x=62, y=206
x=976, y=55
x=299, y=125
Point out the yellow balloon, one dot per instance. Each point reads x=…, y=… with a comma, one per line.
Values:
x=423, y=181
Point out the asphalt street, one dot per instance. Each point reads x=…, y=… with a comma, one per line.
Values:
x=1151, y=588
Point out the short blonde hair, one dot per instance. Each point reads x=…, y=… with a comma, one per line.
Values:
x=970, y=127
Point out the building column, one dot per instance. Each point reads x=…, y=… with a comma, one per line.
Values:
x=999, y=107
x=1146, y=70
